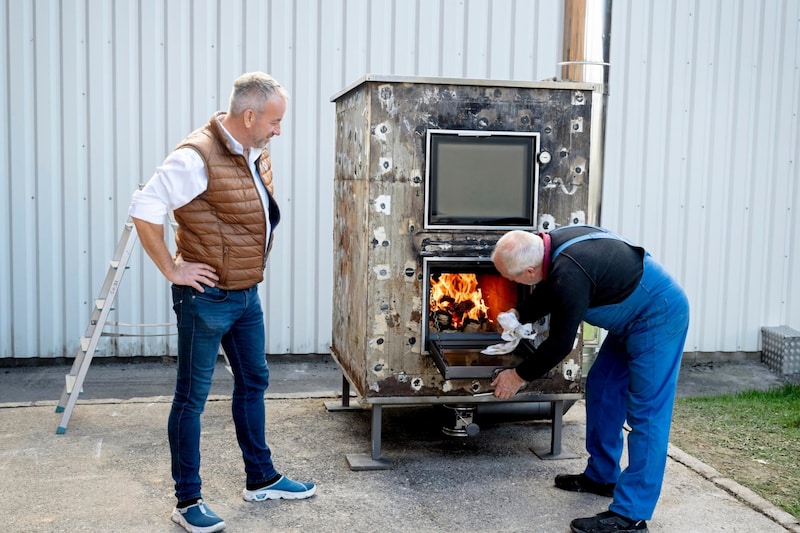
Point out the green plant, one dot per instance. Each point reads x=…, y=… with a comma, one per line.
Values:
x=752, y=437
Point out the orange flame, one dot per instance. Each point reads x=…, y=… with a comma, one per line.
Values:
x=459, y=296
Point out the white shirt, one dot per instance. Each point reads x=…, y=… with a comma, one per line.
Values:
x=182, y=177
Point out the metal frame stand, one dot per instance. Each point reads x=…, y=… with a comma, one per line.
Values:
x=556, y=425
x=363, y=461
x=374, y=460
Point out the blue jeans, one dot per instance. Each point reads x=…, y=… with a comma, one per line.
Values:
x=235, y=320
x=634, y=379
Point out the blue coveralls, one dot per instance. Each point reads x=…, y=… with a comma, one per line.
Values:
x=634, y=378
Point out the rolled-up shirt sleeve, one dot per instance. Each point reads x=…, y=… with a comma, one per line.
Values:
x=176, y=182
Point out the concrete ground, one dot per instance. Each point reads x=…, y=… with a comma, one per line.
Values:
x=110, y=470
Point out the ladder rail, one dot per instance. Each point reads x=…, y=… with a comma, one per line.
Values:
x=98, y=303
x=99, y=319
x=97, y=322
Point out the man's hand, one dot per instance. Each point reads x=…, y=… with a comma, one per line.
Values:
x=193, y=274
x=178, y=271
x=507, y=383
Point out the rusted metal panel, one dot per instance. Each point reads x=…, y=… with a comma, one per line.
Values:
x=379, y=205
x=350, y=256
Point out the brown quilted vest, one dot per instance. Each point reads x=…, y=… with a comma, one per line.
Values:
x=225, y=226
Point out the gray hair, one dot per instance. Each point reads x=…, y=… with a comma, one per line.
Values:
x=252, y=91
x=518, y=250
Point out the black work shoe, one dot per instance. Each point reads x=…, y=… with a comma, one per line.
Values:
x=582, y=483
x=608, y=522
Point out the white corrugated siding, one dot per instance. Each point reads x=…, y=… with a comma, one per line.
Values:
x=701, y=161
x=702, y=156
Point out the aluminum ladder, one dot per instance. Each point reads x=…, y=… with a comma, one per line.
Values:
x=91, y=337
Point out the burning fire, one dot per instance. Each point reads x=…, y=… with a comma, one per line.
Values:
x=455, y=299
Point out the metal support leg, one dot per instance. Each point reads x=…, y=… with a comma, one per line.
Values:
x=344, y=405
x=345, y=392
x=360, y=461
x=555, y=452
x=377, y=428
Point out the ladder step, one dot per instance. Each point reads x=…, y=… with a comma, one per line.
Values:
x=71, y=384
x=115, y=265
x=100, y=304
x=86, y=341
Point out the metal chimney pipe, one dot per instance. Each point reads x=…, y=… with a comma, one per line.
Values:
x=585, y=56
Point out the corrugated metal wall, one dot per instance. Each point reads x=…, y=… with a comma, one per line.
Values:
x=702, y=158
x=701, y=163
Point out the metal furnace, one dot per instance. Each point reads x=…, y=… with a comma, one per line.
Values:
x=429, y=173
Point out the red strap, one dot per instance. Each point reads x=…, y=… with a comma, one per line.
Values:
x=546, y=258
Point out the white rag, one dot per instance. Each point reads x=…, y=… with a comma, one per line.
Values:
x=513, y=332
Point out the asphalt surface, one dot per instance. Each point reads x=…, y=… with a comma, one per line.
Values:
x=110, y=470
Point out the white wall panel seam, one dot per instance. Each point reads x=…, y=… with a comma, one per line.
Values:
x=324, y=171
x=36, y=177
x=789, y=93
x=750, y=262
x=711, y=194
x=417, y=37
x=6, y=273
x=727, y=306
x=793, y=314
x=772, y=267
x=53, y=322
x=738, y=214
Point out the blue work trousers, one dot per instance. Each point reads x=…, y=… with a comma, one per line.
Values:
x=235, y=320
x=634, y=378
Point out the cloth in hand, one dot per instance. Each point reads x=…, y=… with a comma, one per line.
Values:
x=513, y=332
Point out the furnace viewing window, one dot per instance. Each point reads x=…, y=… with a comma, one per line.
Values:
x=481, y=179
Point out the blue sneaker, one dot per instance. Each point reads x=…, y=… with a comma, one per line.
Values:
x=198, y=518
x=283, y=488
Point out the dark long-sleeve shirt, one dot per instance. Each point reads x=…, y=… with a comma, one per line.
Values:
x=587, y=274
